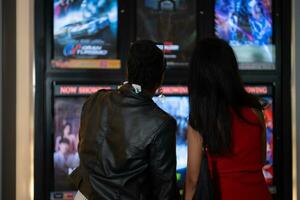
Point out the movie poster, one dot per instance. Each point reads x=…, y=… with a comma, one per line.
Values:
x=265, y=96
x=268, y=113
x=84, y=29
x=68, y=102
x=178, y=107
x=170, y=23
x=247, y=26
x=67, y=111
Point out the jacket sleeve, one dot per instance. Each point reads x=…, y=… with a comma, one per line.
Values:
x=163, y=162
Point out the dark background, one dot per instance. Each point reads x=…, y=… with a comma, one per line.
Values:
x=8, y=104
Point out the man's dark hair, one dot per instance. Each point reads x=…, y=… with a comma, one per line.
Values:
x=145, y=64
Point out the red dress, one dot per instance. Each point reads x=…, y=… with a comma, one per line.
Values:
x=239, y=176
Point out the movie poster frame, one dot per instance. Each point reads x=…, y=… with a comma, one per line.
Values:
x=49, y=128
x=280, y=77
x=124, y=36
x=48, y=167
x=199, y=31
x=276, y=128
x=276, y=37
x=278, y=135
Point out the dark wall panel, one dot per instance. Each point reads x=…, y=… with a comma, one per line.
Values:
x=9, y=99
x=1, y=96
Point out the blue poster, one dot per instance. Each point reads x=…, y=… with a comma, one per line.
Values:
x=85, y=29
x=247, y=25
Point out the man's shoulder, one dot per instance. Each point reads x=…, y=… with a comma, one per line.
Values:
x=161, y=119
x=97, y=96
x=101, y=93
x=164, y=116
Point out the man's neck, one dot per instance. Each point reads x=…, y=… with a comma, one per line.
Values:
x=149, y=92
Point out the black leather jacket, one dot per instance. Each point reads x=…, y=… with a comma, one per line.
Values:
x=126, y=148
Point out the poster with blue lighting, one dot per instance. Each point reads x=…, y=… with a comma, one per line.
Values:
x=248, y=26
x=85, y=29
x=178, y=107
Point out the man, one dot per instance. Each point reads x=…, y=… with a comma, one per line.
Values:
x=126, y=142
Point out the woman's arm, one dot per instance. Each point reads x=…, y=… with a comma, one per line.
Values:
x=195, y=143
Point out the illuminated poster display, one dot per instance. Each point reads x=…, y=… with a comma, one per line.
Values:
x=176, y=103
x=248, y=26
x=68, y=103
x=85, y=33
x=172, y=24
x=266, y=97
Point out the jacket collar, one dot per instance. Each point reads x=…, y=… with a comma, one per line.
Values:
x=128, y=90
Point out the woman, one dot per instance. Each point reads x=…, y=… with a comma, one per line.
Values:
x=226, y=130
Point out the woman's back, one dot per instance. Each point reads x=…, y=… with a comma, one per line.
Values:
x=238, y=175
x=216, y=90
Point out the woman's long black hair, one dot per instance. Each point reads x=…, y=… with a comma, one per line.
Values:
x=216, y=90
